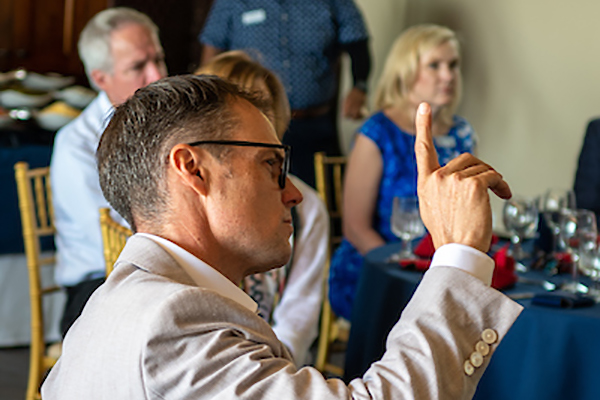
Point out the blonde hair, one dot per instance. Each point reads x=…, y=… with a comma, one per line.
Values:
x=402, y=65
x=237, y=67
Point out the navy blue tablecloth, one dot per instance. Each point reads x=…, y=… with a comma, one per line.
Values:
x=11, y=239
x=549, y=353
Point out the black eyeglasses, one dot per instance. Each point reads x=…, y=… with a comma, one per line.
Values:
x=285, y=166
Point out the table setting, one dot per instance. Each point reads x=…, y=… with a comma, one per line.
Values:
x=31, y=101
x=547, y=259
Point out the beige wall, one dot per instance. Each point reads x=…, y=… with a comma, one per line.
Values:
x=531, y=74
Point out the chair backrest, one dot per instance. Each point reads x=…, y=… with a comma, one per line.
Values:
x=329, y=173
x=37, y=221
x=114, y=236
x=329, y=179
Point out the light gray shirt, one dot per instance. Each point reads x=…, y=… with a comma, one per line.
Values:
x=77, y=196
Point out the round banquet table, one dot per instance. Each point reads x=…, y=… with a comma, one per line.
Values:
x=549, y=353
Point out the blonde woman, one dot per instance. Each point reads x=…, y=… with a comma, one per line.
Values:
x=299, y=284
x=423, y=65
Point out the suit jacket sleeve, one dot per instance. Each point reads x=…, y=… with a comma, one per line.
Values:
x=192, y=357
x=587, y=177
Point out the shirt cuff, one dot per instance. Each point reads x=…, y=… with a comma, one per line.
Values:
x=466, y=258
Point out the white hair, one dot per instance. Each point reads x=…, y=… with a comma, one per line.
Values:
x=94, y=41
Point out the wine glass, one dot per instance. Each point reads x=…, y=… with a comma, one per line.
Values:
x=406, y=224
x=578, y=231
x=551, y=203
x=520, y=216
x=589, y=264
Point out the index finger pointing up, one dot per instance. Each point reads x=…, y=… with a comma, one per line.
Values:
x=427, y=160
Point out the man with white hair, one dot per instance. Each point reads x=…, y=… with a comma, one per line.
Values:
x=121, y=52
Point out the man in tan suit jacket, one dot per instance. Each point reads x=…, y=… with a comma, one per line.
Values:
x=198, y=172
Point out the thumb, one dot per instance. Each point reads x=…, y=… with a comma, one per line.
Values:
x=427, y=160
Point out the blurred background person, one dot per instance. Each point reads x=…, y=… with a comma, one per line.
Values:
x=301, y=42
x=422, y=66
x=121, y=52
x=290, y=297
x=587, y=177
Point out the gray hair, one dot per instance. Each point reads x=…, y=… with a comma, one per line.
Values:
x=94, y=41
x=133, y=153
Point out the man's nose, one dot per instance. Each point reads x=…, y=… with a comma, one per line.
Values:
x=155, y=71
x=290, y=195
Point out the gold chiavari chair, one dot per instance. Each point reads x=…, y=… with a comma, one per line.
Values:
x=114, y=237
x=329, y=180
x=37, y=220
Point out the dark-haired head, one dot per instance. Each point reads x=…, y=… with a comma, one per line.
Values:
x=133, y=152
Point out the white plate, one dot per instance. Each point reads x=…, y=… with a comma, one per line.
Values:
x=46, y=83
x=14, y=99
x=76, y=96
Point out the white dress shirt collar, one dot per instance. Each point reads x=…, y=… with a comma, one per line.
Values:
x=106, y=110
x=203, y=274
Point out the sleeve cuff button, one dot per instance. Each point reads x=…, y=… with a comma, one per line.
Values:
x=469, y=368
x=489, y=336
x=483, y=348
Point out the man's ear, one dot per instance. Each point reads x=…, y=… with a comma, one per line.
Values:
x=100, y=78
x=190, y=167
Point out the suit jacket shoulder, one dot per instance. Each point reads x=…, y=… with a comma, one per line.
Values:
x=150, y=333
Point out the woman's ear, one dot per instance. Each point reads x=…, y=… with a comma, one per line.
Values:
x=189, y=165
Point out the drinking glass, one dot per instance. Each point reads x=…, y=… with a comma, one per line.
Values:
x=578, y=231
x=520, y=216
x=589, y=264
x=551, y=203
x=406, y=224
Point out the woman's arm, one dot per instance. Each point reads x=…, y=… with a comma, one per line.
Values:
x=361, y=185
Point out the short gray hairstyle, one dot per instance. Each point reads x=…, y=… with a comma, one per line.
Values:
x=94, y=41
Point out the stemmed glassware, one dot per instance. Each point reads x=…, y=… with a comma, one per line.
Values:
x=551, y=203
x=520, y=216
x=589, y=264
x=406, y=224
x=578, y=231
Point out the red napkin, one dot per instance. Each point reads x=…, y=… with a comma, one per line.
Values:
x=425, y=247
x=565, y=262
x=424, y=250
x=418, y=264
x=504, y=273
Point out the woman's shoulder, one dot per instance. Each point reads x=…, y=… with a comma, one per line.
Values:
x=375, y=121
x=379, y=127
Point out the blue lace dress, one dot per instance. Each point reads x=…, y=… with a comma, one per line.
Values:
x=399, y=179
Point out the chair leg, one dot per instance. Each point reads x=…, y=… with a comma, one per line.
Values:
x=35, y=366
x=324, y=337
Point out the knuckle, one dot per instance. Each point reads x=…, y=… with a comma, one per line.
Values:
x=477, y=185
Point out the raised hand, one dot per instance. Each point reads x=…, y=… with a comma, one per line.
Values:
x=453, y=200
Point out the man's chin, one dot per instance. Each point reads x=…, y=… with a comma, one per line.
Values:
x=282, y=259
